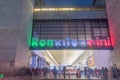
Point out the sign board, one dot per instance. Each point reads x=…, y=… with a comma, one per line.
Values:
x=71, y=44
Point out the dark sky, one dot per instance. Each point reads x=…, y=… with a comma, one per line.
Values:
x=68, y=3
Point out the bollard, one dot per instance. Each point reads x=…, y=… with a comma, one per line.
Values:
x=1, y=75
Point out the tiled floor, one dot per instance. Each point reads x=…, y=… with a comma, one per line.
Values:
x=72, y=77
x=51, y=78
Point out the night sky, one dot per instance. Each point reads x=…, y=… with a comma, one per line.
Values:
x=68, y=3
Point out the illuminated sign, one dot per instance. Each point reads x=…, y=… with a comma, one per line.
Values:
x=70, y=43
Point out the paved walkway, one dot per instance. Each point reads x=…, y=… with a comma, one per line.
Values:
x=38, y=78
x=73, y=77
x=67, y=78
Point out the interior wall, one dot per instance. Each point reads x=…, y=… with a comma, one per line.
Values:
x=102, y=58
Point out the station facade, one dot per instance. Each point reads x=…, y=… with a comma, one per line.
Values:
x=24, y=28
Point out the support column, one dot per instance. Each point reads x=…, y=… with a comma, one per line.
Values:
x=15, y=27
x=113, y=12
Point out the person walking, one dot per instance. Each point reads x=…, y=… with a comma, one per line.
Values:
x=88, y=73
x=55, y=72
x=64, y=71
x=60, y=70
x=106, y=73
x=85, y=71
x=78, y=73
x=45, y=71
x=114, y=72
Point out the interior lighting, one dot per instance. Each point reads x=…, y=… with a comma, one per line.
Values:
x=59, y=9
x=51, y=9
x=71, y=9
x=65, y=9
x=36, y=10
x=44, y=9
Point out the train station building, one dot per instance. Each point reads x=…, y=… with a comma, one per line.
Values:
x=37, y=33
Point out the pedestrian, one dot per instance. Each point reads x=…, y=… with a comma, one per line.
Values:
x=64, y=71
x=102, y=73
x=88, y=73
x=92, y=72
x=45, y=71
x=114, y=72
x=85, y=71
x=78, y=73
x=60, y=70
x=106, y=73
x=96, y=72
x=55, y=72
x=59, y=73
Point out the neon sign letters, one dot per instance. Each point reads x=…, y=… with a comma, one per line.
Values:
x=67, y=43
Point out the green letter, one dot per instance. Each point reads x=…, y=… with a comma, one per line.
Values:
x=35, y=42
x=50, y=43
x=42, y=43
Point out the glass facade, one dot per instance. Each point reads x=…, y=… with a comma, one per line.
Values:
x=74, y=29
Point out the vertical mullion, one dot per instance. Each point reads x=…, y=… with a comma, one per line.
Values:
x=108, y=28
x=60, y=33
x=100, y=29
x=56, y=26
x=77, y=29
x=92, y=29
x=84, y=30
x=92, y=26
x=46, y=29
x=59, y=28
x=33, y=28
x=40, y=29
x=69, y=31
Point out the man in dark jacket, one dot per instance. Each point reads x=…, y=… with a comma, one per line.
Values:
x=55, y=72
